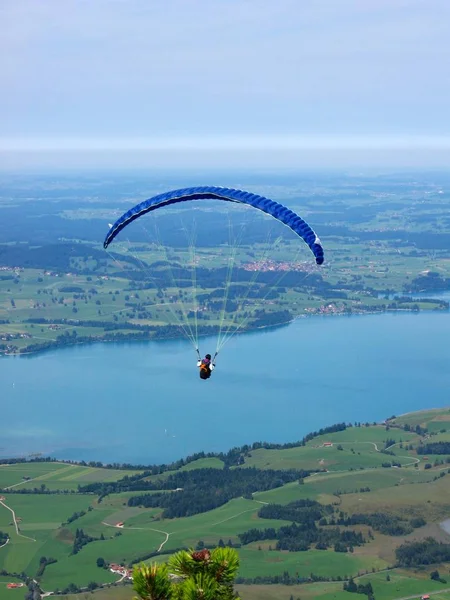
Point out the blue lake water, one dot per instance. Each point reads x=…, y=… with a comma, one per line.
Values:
x=144, y=402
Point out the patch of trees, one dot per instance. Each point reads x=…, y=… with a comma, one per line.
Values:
x=434, y=448
x=285, y=578
x=360, y=588
x=75, y=516
x=220, y=544
x=3, y=538
x=92, y=323
x=303, y=532
x=299, y=537
x=432, y=281
x=201, y=490
x=326, y=430
x=361, y=490
x=23, y=576
x=43, y=563
x=300, y=511
x=72, y=588
x=426, y=552
x=434, y=575
x=266, y=319
x=409, y=300
x=407, y=427
x=239, y=481
x=382, y=522
x=40, y=490
x=56, y=257
x=82, y=538
x=16, y=461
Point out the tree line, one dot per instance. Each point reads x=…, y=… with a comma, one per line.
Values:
x=434, y=448
x=360, y=588
x=308, y=527
x=300, y=511
x=300, y=537
x=202, y=490
x=426, y=552
x=82, y=538
x=382, y=522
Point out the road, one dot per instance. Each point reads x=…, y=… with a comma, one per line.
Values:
x=15, y=522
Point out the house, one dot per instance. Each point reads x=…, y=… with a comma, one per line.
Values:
x=426, y=597
x=120, y=570
x=327, y=444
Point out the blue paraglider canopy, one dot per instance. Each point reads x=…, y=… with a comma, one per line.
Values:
x=276, y=210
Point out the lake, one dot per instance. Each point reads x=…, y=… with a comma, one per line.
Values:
x=144, y=402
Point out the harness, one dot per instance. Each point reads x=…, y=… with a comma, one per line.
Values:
x=205, y=366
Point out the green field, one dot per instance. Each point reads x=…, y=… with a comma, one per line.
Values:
x=434, y=419
x=324, y=563
x=351, y=479
x=371, y=434
x=354, y=455
x=324, y=485
x=55, y=476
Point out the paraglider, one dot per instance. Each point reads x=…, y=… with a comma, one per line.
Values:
x=260, y=203
x=206, y=366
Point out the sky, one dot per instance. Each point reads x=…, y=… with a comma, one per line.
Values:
x=224, y=82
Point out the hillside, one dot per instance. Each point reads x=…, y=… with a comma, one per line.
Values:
x=337, y=504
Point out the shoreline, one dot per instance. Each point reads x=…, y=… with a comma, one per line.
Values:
x=52, y=346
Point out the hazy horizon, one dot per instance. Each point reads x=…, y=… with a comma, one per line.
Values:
x=329, y=83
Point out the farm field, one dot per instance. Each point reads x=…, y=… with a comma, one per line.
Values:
x=323, y=563
x=358, y=455
x=433, y=420
x=55, y=476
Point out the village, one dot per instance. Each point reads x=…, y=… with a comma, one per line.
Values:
x=270, y=265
